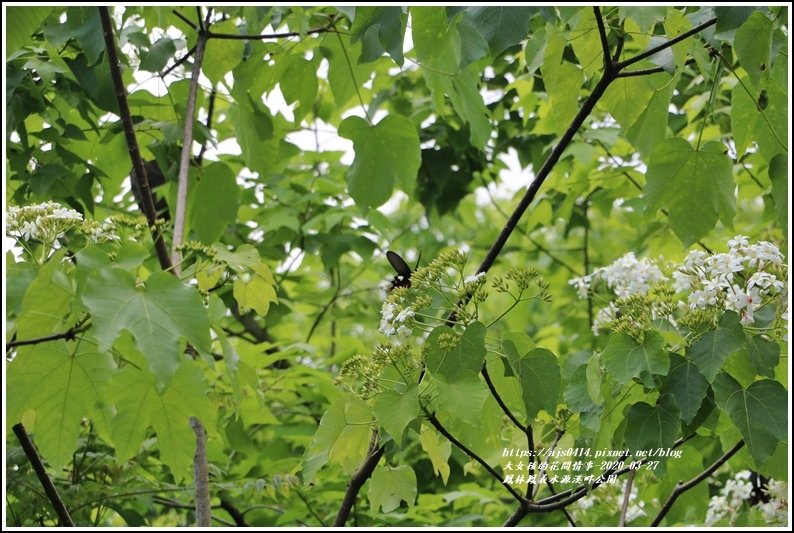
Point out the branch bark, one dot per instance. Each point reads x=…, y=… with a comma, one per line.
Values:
x=356, y=482
x=41, y=473
x=132, y=142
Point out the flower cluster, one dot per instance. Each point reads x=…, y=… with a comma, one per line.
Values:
x=728, y=502
x=742, y=279
x=393, y=320
x=611, y=496
x=41, y=222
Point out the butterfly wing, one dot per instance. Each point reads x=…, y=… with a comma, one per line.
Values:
x=403, y=278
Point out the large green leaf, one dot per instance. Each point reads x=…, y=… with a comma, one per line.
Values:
x=463, y=398
x=380, y=29
x=711, y=350
x=345, y=73
x=778, y=175
x=140, y=405
x=47, y=302
x=563, y=81
x=54, y=386
x=753, y=45
x=539, y=374
x=760, y=412
x=21, y=22
x=396, y=410
x=86, y=26
x=626, y=358
x=646, y=17
x=751, y=123
x=650, y=427
x=391, y=485
x=650, y=128
x=501, y=26
x=222, y=55
x=253, y=128
x=687, y=386
x=695, y=185
x=213, y=204
x=157, y=57
x=386, y=154
x=343, y=435
x=764, y=354
x=158, y=313
x=626, y=99
x=299, y=84
x=465, y=358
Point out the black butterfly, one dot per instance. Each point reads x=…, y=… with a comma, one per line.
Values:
x=403, y=277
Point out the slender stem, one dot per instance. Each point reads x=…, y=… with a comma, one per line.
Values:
x=668, y=44
x=41, y=473
x=681, y=488
x=647, y=71
x=234, y=36
x=441, y=429
x=353, y=77
x=69, y=335
x=356, y=482
x=602, y=32
x=624, y=508
x=184, y=163
x=501, y=402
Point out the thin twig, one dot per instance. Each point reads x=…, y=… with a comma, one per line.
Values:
x=69, y=335
x=184, y=19
x=681, y=488
x=178, y=62
x=624, y=508
x=665, y=45
x=468, y=451
x=184, y=163
x=602, y=32
x=235, y=36
x=41, y=473
x=132, y=142
x=647, y=71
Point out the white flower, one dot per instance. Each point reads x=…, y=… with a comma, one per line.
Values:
x=738, y=242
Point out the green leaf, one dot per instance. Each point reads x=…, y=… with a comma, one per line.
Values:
x=389, y=486
x=395, y=411
x=502, y=27
x=47, y=302
x=764, y=354
x=438, y=449
x=86, y=27
x=158, y=314
x=646, y=17
x=21, y=22
x=299, y=84
x=711, y=351
x=139, y=405
x=575, y=394
x=650, y=128
x=695, y=185
x=627, y=98
x=255, y=290
x=687, y=386
x=213, y=202
x=587, y=44
x=472, y=44
x=463, y=398
x=465, y=358
x=753, y=45
x=778, y=174
x=563, y=82
x=348, y=413
x=649, y=427
x=59, y=384
x=539, y=374
x=386, y=154
x=730, y=18
x=760, y=412
x=342, y=58
x=381, y=29
x=749, y=123
x=157, y=57
x=252, y=127
x=626, y=358
x=222, y=55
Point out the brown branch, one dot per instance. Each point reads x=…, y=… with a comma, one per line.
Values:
x=208, y=124
x=234, y=512
x=41, y=472
x=653, y=70
x=356, y=482
x=178, y=62
x=69, y=335
x=132, y=142
x=235, y=36
x=602, y=32
x=201, y=475
x=184, y=19
x=441, y=429
x=681, y=488
x=665, y=45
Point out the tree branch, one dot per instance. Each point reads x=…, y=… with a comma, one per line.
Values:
x=681, y=488
x=234, y=512
x=234, y=36
x=441, y=429
x=668, y=44
x=184, y=163
x=201, y=475
x=356, y=482
x=653, y=70
x=132, y=142
x=41, y=473
x=602, y=32
x=69, y=335
x=624, y=508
